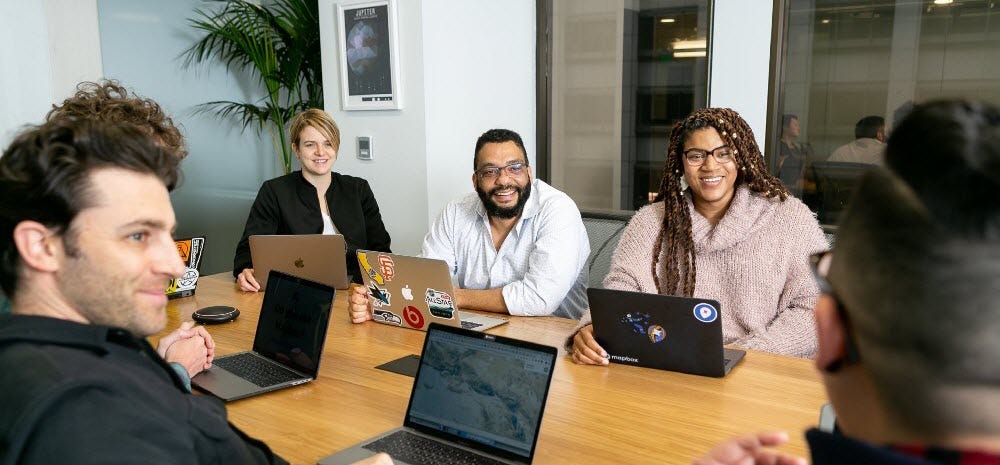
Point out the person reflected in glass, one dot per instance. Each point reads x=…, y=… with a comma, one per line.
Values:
x=793, y=157
x=313, y=200
x=723, y=228
x=868, y=146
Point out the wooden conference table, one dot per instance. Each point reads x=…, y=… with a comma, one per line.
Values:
x=614, y=414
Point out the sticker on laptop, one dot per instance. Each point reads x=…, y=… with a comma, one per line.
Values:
x=656, y=334
x=636, y=321
x=380, y=297
x=439, y=303
x=386, y=316
x=387, y=267
x=413, y=317
x=705, y=313
x=371, y=272
x=190, y=251
x=407, y=292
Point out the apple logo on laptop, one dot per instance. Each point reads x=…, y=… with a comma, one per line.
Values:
x=299, y=263
x=407, y=292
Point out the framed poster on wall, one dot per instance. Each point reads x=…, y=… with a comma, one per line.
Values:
x=369, y=55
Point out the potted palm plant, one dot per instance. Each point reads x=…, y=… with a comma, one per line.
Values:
x=277, y=42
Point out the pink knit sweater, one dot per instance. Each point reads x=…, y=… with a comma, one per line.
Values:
x=754, y=262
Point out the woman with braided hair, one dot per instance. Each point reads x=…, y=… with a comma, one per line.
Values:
x=724, y=228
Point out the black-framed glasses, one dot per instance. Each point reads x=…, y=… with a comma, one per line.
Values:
x=696, y=157
x=492, y=172
x=820, y=263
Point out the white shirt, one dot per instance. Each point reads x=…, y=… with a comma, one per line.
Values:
x=328, y=227
x=863, y=150
x=541, y=265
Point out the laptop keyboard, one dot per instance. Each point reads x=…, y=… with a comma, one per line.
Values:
x=407, y=447
x=256, y=370
x=471, y=324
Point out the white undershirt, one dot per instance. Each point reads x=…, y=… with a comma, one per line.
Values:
x=328, y=227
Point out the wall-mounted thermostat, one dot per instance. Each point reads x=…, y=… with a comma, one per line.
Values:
x=365, y=148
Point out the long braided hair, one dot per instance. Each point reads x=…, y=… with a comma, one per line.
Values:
x=675, y=232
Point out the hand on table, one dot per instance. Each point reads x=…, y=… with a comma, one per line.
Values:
x=191, y=346
x=360, y=305
x=586, y=350
x=247, y=281
x=751, y=449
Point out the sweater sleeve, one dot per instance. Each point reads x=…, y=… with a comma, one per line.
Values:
x=263, y=219
x=632, y=261
x=793, y=330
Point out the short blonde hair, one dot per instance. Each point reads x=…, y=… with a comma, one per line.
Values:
x=318, y=119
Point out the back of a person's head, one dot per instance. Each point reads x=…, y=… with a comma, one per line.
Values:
x=111, y=102
x=869, y=127
x=916, y=265
x=44, y=176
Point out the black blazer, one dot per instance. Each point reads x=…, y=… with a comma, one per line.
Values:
x=288, y=205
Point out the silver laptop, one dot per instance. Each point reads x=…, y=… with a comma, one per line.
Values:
x=477, y=398
x=317, y=257
x=287, y=347
x=411, y=292
x=661, y=331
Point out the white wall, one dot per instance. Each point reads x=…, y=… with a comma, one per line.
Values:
x=741, y=51
x=47, y=48
x=479, y=74
x=465, y=66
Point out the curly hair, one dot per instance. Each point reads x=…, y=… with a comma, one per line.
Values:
x=675, y=232
x=111, y=102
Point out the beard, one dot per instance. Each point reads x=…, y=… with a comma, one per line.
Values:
x=494, y=210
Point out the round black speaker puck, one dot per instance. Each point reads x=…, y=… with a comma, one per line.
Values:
x=215, y=314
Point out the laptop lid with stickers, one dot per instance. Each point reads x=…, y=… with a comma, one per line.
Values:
x=191, y=250
x=659, y=331
x=409, y=292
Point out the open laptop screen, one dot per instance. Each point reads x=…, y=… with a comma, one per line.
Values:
x=293, y=321
x=481, y=389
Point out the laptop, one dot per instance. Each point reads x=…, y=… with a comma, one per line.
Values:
x=191, y=250
x=411, y=292
x=287, y=347
x=477, y=398
x=317, y=257
x=660, y=331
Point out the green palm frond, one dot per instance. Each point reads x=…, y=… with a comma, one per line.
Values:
x=279, y=44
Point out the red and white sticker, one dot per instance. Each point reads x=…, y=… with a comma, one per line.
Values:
x=413, y=317
x=387, y=267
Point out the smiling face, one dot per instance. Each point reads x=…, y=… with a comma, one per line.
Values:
x=120, y=253
x=713, y=184
x=315, y=151
x=505, y=195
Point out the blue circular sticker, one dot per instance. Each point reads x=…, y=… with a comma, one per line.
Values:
x=705, y=313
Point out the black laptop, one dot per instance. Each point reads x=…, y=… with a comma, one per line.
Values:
x=477, y=398
x=660, y=331
x=287, y=347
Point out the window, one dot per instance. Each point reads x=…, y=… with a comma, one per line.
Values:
x=848, y=70
x=620, y=74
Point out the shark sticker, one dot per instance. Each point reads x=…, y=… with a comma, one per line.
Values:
x=379, y=297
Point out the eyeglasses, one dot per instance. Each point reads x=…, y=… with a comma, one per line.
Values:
x=492, y=172
x=696, y=157
x=821, y=267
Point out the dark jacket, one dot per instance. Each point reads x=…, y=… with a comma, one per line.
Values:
x=88, y=394
x=288, y=205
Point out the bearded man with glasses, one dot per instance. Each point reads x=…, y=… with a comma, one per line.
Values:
x=518, y=246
